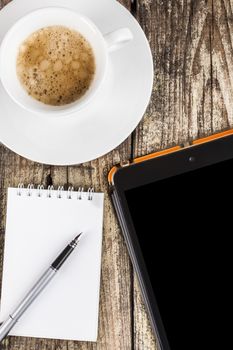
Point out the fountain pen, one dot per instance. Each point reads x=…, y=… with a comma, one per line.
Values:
x=43, y=281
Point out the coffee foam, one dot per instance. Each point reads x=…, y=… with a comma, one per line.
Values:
x=56, y=65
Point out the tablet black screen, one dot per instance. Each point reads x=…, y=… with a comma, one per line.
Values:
x=184, y=227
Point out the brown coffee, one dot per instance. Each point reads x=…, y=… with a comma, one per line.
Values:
x=56, y=65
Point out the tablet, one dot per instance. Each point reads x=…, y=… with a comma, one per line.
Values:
x=175, y=208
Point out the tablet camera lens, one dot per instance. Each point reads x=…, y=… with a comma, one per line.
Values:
x=192, y=159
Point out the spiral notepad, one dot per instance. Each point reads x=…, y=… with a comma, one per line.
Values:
x=40, y=222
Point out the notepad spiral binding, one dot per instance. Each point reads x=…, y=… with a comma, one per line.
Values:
x=51, y=192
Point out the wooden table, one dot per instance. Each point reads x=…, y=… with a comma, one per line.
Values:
x=192, y=44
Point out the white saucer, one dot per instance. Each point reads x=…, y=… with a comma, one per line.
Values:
x=109, y=119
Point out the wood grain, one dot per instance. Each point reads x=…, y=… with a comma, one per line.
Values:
x=4, y=3
x=116, y=284
x=192, y=45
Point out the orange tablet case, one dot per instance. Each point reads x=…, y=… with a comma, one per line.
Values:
x=167, y=151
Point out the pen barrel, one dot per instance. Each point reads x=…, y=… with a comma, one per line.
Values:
x=33, y=293
x=63, y=256
x=38, y=287
x=6, y=326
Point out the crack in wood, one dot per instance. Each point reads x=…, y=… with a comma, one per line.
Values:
x=134, y=7
x=211, y=62
x=48, y=181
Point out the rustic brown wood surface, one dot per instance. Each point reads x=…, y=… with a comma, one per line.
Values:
x=192, y=45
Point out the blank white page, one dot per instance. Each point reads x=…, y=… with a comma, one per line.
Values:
x=37, y=230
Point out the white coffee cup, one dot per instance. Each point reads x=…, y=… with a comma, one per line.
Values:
x=50, y=16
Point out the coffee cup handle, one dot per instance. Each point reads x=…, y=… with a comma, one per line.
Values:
x=117, y=39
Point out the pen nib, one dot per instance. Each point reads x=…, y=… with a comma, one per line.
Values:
x=78, y=237
x=75, y=241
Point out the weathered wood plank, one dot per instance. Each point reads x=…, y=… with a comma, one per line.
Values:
x=116, y=285
x=4, y=3
x=222, y=63
x=192, y=46
x=126, y=3
x=177, y=34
